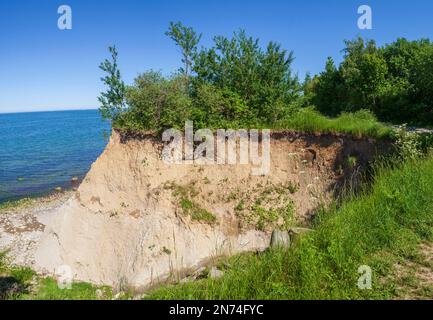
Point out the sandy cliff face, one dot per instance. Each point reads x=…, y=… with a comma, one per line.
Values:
x=135, y=220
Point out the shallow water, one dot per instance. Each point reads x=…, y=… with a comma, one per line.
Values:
x=40, y=151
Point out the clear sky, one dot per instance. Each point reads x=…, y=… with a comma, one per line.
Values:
x=44, y=68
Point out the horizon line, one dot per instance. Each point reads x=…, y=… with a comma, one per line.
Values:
x=49, y=110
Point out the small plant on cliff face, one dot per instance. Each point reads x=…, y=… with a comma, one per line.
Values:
x=166, y=251
x=196, y=212
x=186, y=205
x=203, y=215
x=352, y=161
x=240, y=206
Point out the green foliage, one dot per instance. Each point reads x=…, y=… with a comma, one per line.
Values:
x=379, y=228
x=360, y=123
x=234, y=83
x=197, y=213
x=185, y=195
x=187, y=40
x=156, y=103
x=324, y=88
x=352, y=161
x=48, y=289
x=22, y=283
x=392, y=81
x=261, y=78
x=219, y=108
x=113, y=100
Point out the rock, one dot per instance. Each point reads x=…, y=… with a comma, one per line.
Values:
x=198, y=274
x=58, y=189
x=294, y=233
x=299, y=230
x=280, y=239
x=214, y=273
x=75, y=183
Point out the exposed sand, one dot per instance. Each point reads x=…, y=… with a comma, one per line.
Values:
x=126, y=225
x=22, y=226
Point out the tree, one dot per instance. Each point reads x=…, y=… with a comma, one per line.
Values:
x=113, y=100
x=187, y=39
x=157, y=103
x=394, y=81
x=327, y=90
x=262, y=79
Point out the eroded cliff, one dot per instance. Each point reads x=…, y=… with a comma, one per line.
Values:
x=136, y=220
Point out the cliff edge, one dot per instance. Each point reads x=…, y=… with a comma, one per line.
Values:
x=136, y=220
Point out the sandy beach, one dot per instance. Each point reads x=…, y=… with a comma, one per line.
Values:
x=22, y=223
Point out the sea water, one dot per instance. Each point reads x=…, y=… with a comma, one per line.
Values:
x=40, y=151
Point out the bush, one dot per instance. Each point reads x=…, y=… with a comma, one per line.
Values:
x=219, y=108
x=156, y=103
x=392, y=81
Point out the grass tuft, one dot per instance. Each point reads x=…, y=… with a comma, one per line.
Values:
x=361, y=124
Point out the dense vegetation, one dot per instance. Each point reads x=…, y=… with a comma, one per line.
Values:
x=382, y=227
x=234, y=83
x=393, y=81
x=238, y=83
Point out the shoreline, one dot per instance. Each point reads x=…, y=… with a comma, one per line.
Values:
x=34, y=200
x=22, y=224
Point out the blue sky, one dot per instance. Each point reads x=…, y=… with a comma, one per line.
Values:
x=44, y=68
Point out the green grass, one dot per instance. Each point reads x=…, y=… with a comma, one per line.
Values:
x=49, y=290
x=378, y=228
x=361, y=123
x=27, y=285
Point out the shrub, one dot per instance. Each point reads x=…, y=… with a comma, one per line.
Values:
x=156, y=103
